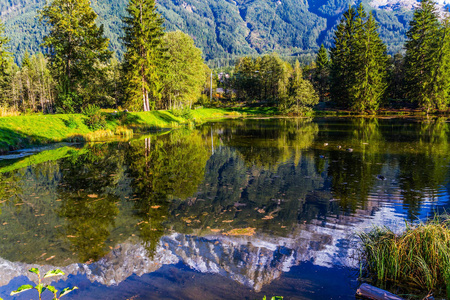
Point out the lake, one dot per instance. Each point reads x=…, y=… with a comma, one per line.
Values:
x=234, y=209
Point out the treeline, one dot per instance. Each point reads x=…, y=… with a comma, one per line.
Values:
x=159, y=70
x=356, y=73
x=269, y=80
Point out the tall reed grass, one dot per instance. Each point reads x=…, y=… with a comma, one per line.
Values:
x=125, y=132
x=6, y=111
x=419, y=256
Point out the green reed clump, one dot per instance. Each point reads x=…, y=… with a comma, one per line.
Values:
x=419, y=256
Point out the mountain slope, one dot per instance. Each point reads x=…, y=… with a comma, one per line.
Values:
x=226, y=28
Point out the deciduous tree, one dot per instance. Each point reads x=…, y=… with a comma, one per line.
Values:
x=76, y=47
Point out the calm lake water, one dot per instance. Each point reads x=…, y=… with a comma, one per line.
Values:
x=236, y=209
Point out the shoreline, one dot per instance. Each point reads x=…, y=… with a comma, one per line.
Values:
x=20, y=132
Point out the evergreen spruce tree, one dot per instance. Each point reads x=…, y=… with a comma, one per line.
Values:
x=370, y=71
x=5, y=65
x=76, y=47
x=144, y=57
x=426, y=59
x=359, y=63
x=322, y=73
x=341, y=54
x=26, y=62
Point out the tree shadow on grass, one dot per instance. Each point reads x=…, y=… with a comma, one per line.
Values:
x=165, y=116
x=11, y=140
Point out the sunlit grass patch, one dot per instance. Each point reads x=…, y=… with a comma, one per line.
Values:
x=420, y=256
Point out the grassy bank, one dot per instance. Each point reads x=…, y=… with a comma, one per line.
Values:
x=18, y=132
x=418, y=259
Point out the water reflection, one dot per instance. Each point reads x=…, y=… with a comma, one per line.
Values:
x=161, y=169
x=89, y=205
x=244, y=199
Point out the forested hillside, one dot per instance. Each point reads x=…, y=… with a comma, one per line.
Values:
x=225, y=28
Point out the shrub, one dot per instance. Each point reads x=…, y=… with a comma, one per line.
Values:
x=95, y=120
x=187, y=113
x=71, y=122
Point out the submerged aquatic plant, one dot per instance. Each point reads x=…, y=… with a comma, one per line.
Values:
x=40, y=287
x=420, y=255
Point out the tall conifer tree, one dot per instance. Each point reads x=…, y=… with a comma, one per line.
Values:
x=359, y=63
x=144, y=57
x=427, y=58
x=322, y=73
x=5, y=64
x=341, y=59
x=76, y=47
x=370, y=83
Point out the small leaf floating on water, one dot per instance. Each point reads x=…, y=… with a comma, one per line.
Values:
x=216, y=230
x=249, y=231
x=268, y=217
x=155, y=206
x=92, y=196
x=51, y=257
x=227, y=221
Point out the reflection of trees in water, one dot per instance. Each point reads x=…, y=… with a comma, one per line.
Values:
x=28, y=219
x=11, y=187
x=258, y=172
x=415, y=154
x=425, y=169
x=269, y=143
x=89, y=205
x=354, y=174
x=163, y=168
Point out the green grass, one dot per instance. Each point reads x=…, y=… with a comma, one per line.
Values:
x=44, y=156
x=419, y=257
x=22, y=131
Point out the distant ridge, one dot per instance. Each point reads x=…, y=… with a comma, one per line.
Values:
x=228, y=28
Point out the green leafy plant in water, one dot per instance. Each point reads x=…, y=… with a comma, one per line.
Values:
x=41, y=287
x=274, y=298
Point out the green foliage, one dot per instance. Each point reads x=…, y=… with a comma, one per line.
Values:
x=321, y=73
x=359, y=63
x=5, y=64
x=145, y=55
x=76, y=48
x=300, y=96
x=184, y=73
x=95, y=119
x=41, y=287
x=71, y=122
x=427, y=60
x=261, y=79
